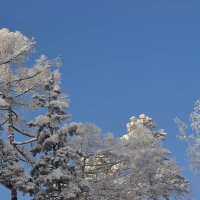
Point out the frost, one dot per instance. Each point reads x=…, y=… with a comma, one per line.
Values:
x=3, y=102
x=59, y=104
x=41, y=119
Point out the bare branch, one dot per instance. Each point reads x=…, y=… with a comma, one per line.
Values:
x=4, y=122
x=23, y=154
x=22, y=132
x=3, y=108
x=14, y=113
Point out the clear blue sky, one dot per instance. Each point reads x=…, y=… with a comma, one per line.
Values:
x=120, y=58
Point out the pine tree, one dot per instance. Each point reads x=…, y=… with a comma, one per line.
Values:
x=55, y=172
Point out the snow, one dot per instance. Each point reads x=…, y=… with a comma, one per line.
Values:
x=3, y=103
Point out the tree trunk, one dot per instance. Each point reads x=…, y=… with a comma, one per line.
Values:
x=83, y=167
x=10, y=126
x=13, y=194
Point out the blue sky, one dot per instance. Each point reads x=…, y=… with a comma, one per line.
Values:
x=120, y=58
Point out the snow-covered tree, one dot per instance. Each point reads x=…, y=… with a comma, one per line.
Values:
x=193, y=138
x=12, y=173
x=10, y=169
x=148, y=170
x=17, y=82
x=56, y=172
x=72, y=161
x=136, y=166
x=96, y=157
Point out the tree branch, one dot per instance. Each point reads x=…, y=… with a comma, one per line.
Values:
x=22, y=132
x=4, y=122
x=14, y=113
x=29, y=77
x=21, y=51
x=24, y=92
x=23, y=154
x=25, y=142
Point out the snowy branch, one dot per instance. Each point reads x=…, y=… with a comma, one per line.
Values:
x=19, y=53
x=25, y=142
x=30, y=77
